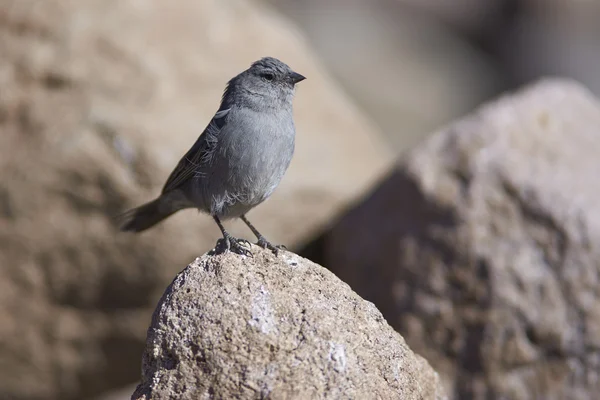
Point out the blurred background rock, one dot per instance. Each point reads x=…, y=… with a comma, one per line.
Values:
x=99, y=98
x=482, y=247
x=415, y=64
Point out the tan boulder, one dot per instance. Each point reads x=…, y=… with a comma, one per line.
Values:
x=233, y=327
x=98, y=100
x=482, y=248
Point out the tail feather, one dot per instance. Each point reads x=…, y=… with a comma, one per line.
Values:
x=145, y=216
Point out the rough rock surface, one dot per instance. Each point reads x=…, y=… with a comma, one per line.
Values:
x=483, y=247
x=233, y=327
x=98, y=100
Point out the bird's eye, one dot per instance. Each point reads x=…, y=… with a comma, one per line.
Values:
x=268, y=76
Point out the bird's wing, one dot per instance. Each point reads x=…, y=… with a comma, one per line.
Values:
x=199, y=152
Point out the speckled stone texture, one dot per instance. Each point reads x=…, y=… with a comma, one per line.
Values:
x=274, y=327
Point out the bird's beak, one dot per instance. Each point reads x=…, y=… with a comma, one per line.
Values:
x=296, y=77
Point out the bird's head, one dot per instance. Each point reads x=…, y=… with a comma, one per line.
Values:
x=268, y=82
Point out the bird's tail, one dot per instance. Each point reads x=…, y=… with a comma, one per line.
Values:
x=146, y=216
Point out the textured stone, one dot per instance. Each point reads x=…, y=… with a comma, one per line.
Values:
x=483, y=247
x=98, y=100
x=232, y=327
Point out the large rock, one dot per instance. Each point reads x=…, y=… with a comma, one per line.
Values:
x=98, y=100
x=232, y=327
x=483, y=247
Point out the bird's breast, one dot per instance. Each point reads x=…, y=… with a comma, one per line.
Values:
x=254, y=151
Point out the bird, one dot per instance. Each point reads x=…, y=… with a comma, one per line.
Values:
x=237, y=161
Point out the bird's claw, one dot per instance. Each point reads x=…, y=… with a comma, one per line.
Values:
x=244, y=242
x=264, y=243
x=235, y=245
x=239, y=248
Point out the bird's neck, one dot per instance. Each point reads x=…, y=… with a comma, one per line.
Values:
x=259, y=102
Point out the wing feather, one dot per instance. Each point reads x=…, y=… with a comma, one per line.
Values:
x=199, y=153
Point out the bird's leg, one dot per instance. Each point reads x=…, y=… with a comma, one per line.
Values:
x=262, y=242
x=231, y=243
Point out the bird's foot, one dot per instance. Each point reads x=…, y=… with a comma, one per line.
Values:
x=235, y=245
x=265, y=244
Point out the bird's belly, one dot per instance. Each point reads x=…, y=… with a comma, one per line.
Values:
x=248, y=170
x=256, y=175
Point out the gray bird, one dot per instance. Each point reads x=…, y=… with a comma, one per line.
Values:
x=239, y=159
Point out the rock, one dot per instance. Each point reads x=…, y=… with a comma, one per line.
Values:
x=482, y=248
x=98, y=101
x=232, y=327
